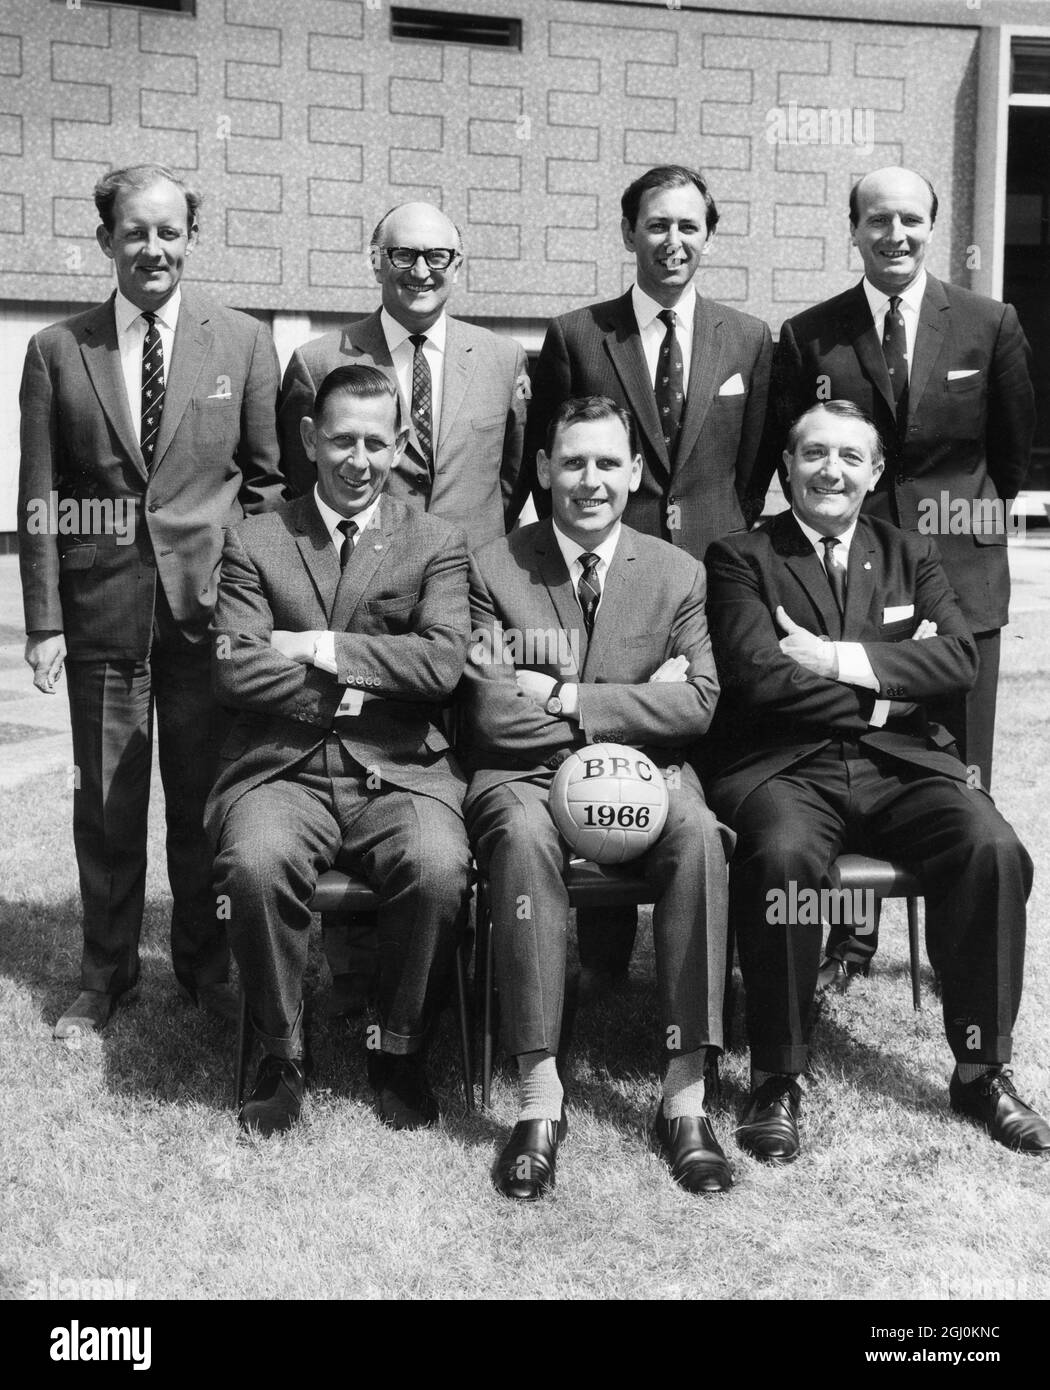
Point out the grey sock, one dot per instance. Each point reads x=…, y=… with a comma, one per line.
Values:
x=541, y=1088
x=684, y=1085
x=971, y=1071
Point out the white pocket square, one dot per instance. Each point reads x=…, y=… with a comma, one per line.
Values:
x=898, y=614
x=967, y=371
x=733, y=387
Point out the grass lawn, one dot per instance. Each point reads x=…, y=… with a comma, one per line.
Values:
x=121, y=1159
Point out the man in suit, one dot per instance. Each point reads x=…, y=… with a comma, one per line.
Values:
x=147, y=426
x=945, y=375
x=463, y=389
x=695, y=375
x=341, y=628
x=627, y=611
x=833, y=632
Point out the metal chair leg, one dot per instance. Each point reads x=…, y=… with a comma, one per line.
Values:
x=484, y=923
x=913, y=951
x=244, y=1047
x=466, y=1060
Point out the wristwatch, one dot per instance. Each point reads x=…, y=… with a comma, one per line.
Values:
x=553, y=705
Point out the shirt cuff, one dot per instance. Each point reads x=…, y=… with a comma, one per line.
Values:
x=854, y=666
x=880, y=712
x=570, y=700
x=351, y=702
x=324, y=654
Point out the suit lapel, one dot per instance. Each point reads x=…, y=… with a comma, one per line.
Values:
x=860, y=582
x=193, y=339
x=101, y=356
x=550, y=565
x=704, y=366
x=459, y=368
x=318, y=552
x=806, y=567
x=370, y=551
x=623, y=343
x=858, y=328
x=934, y=323
x=611, y=619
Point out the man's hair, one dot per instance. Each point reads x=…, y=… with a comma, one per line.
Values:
x=111, y=185
x=854, y=198
x=845, y=410
x=578, y=408
x=364, y=382
x=377, y=231
x=667, y=176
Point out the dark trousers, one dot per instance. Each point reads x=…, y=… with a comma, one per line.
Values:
x=279, y=837
x=111, y=706
x=519, y=848
x=975, y=874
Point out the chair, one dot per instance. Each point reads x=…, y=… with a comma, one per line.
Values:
x=597, y=885
x=339, y=892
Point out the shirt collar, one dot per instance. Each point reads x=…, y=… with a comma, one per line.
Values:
x=332, y=518
x=571, y=550
x=396, y=333
x=126, y=313
x=911, y=297
x=646, y=308
x=816, y=538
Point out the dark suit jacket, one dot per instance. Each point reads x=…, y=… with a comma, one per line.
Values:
x=969, y=437
x=216, y=458
x=597, y=351
x=773, y=712
x=478, y=438
x=652, y=608
x=400, y=618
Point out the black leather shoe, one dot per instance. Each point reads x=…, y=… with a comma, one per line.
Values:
x=276, y=1098
x=524, y=1171
x=839, y=974
x=689, y=1148
x=992, y=1101
x=768, y=1128
x=404, y=1099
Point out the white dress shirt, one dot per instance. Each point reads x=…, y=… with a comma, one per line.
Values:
x=910, y=307
x=652, y=329
x=324, y=647
x=401, y=354
x=571, y=552
x=131, y=332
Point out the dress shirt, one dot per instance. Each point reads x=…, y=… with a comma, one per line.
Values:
x=653, y=330
x=324, y=647
x=911, y=306
x=131, y=332
x=401, y=354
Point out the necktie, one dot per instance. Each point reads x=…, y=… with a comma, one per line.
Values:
x=152, y=388
x=895, y=351
x=346, y=549
x=835, y=571
x=421, y=400
x=669, y=387
x=588, y=589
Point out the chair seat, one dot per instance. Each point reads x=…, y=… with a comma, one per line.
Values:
x=595, y=885
x=339, y=892
x=885, y=877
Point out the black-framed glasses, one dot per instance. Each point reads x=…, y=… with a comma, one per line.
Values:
x=405, y=257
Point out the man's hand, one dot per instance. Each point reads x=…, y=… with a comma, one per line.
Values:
x=673, y=669
x=536, y=686
x=925, y=629
x=46, y=653
x=815, y=653
x=296, y=646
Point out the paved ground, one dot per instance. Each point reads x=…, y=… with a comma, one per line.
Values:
x=34, y=728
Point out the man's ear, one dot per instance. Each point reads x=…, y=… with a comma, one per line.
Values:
x=627, y=232
x=876, y=471
x=543, y=470
x=191, y=240
x=308, y=434
x=400, y=443
x=104, y=237
x=375, y=260
x=636, y=474
x=708, y=243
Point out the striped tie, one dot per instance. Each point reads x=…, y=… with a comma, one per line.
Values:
x=152, y=389
x=588, y=589
x=421, y=400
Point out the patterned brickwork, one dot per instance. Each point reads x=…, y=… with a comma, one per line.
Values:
x=303, y=123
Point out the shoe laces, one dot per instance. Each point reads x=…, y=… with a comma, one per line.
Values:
x=998, y=1083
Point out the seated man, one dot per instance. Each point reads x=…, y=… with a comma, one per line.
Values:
x=341, y=628
x=821, y=744
x=628, y=612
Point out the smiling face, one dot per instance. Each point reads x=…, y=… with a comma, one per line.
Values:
x=893, y=227
x=831, y=470
x=415, y=297
x=354, y=444
x=590, y=475
x=668, y=239
x=149, y=242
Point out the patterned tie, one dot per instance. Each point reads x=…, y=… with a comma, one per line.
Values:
x=895, y=351
x=346, y=548
x=152, y=388
x=588, y=589
x=421, y=400
x=835, y=571
x=669, y=387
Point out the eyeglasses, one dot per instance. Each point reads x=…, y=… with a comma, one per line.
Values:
x=405, y=257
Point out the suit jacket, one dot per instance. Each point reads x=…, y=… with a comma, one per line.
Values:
x=597, y=351
x=774, y=712
x=399, y=613
x=652, y=608
x=215, y=459
x=478, y=438
x=967, y=437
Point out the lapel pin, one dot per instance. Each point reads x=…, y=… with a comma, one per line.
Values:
x=867, y=564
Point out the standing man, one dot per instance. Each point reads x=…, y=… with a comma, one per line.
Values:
x=945, y=375
x=694, y=374
x=340, y=631
x=629, y=612
x=833, y=633
x=463, y=388
x=150, y=421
